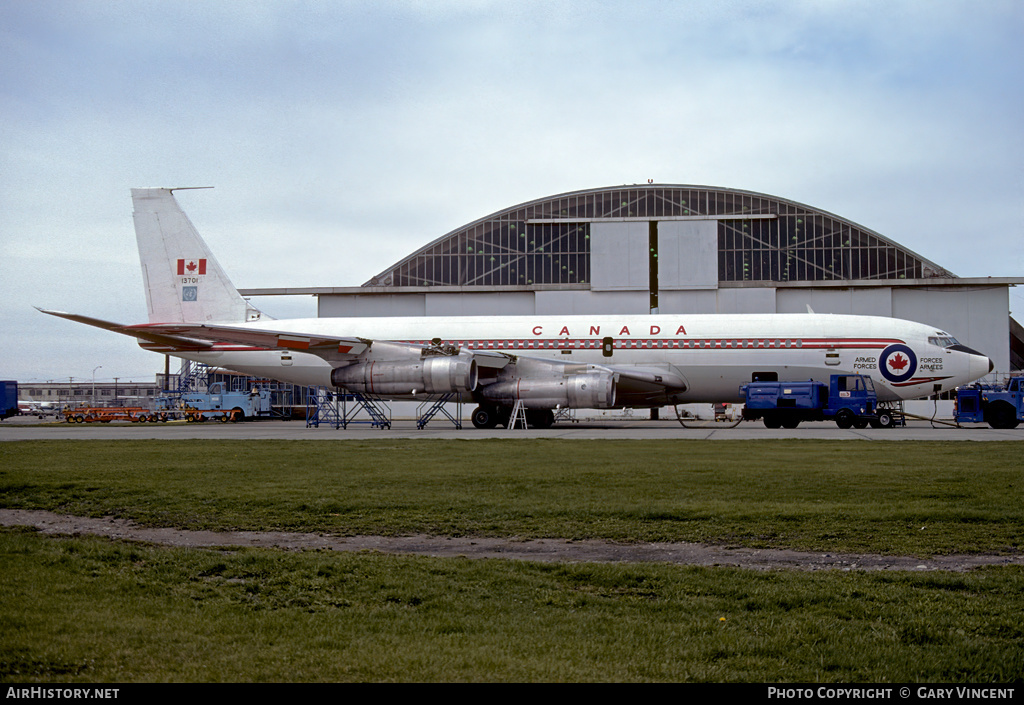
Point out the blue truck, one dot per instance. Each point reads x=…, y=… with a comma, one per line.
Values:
x=850, y=400
x=998, y=406
x=217, y=403
x=8, y=399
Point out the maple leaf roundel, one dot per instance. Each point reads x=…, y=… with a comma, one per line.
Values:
x=897, y=363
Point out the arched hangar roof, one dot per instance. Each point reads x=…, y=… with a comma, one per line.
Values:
x=760, y=238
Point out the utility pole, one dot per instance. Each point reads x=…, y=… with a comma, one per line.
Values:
x=94, y=383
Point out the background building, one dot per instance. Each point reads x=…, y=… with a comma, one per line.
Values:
x=87, y=393
x=679, y=249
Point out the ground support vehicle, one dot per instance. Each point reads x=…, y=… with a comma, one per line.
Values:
x=998, y=406
x=217, y=404
x=8, y=399
x=106, y=414
x=850, y=400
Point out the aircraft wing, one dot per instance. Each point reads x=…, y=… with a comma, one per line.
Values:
x=157, y=340
x=330, y=348
x=334, y=349
x=182, y=337
x=647, y=384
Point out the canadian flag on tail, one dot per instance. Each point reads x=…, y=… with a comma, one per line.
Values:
x=191, y=266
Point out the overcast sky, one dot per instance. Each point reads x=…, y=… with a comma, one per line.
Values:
x=341, y=136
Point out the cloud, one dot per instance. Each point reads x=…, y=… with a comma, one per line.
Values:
x=343, y=136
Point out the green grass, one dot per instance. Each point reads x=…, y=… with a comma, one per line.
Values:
x=86, y=609
x=896, y=498
x=90, y=609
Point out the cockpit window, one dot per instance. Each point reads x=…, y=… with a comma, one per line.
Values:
x=943, y=341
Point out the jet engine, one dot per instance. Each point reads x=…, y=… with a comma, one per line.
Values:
x=393, y=369
x=583, y=390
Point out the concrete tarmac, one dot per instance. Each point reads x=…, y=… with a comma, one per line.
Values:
x=29, y=428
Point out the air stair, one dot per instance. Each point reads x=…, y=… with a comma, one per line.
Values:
x=342, y=408
x=428, y=410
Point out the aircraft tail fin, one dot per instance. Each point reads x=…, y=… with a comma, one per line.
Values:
x=183, y=280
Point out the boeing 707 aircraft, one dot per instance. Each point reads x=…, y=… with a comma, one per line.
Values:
x=546, y=362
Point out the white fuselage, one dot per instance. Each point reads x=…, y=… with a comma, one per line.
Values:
x=715, y=354
x=540, y=362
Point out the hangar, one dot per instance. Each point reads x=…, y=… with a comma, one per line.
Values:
x=660, y=248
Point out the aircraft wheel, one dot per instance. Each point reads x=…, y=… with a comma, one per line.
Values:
x=542, y=418
x=844, y=419
x=485, y=417
x=885, y=420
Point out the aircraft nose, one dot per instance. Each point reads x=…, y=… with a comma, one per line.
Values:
x=980, y=365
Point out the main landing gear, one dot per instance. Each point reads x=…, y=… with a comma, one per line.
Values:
x=492, y=416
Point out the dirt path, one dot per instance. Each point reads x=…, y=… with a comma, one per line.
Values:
x=534, y=550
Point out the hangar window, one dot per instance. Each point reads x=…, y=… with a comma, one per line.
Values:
x=522, y=247
x=502, y=253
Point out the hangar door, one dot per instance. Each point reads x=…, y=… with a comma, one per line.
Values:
x=653, y=255
x=688, y=254
x=619, y=259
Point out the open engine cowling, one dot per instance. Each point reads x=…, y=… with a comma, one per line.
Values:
x=424, y=375
x=588, y=390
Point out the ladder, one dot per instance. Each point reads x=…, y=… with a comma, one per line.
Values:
x=518, y=415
